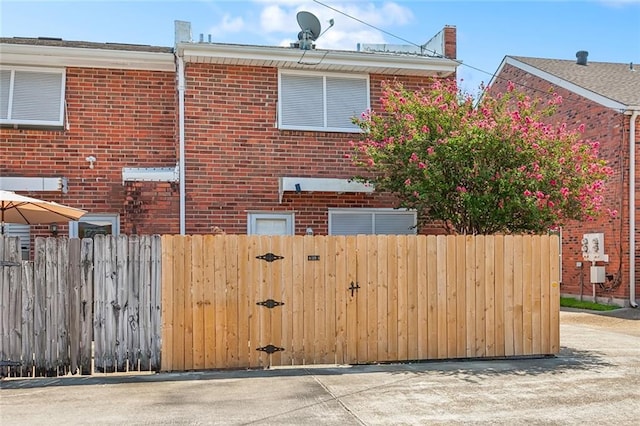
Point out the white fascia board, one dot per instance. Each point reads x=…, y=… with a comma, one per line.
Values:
x=150, y=174
x=58, y=56
x=33, y=183
x=308, y=184
x=325, y=59
x=592, y=96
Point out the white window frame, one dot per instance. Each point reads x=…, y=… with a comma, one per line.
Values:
x=49, y=123
x=89, y=217
x=373, y=212
x=253, y=217
x=324, y=75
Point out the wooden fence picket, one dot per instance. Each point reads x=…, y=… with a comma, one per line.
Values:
x=86, y=314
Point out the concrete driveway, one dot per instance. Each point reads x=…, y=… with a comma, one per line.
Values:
x=595, y=380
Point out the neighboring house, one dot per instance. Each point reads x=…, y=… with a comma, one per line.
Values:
x=202, y=137
x=605, y=97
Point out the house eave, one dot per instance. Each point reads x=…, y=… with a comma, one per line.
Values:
x=317, y=60
x=560, y=82
x=59, y=56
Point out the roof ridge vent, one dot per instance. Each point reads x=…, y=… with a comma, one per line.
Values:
x=582, y=57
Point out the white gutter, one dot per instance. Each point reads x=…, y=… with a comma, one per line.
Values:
x=632, y=208
x=181, y=161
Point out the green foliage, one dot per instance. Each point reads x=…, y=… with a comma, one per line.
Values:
x=497, y=167
x=568, y=302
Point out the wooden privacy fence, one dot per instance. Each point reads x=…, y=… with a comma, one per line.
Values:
x=235, y=301
x=78, y=294
x=231, y=301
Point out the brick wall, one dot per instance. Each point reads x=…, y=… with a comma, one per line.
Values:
x=235, y=152
x=611, y=129
x=124, y=118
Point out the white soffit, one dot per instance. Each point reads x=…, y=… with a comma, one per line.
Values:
x=308, y=184
x=317, y=60
x=59, y=56
x=33, y=184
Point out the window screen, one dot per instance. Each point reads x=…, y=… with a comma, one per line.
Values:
x=302, y=101
x=371, y=221
x=321, y=102
x=32, y=97
x=270, y=224
x=346, y=98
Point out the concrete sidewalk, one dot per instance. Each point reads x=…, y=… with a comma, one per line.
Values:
x=595, y=380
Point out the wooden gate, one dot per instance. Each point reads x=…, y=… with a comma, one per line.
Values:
x=231, y=301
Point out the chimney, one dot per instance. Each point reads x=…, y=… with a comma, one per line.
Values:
x=182, y=32
x=582, y=57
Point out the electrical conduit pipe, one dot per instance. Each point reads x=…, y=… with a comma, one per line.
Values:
x=632, y=209
x=181, y=161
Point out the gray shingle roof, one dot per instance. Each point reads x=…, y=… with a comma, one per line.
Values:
x=615, y=81
x=43, y=41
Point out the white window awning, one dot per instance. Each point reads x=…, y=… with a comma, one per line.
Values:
x=150, y=174
x=33, y=183
x=309, y=184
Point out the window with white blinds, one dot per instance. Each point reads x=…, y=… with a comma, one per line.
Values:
x=23, y=232
x=270, y=223
x=372, y=221
x=321, y=102
x=32, y=96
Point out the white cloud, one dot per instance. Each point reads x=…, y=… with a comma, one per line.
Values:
x=227, y=25
x=275, y=19
x=278, y=21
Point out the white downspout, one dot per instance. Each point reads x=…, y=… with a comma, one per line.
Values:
x=632, y=210
x=181, y=160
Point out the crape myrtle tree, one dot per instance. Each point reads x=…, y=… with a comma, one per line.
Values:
x=495, y=167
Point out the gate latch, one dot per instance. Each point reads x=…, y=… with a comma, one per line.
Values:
x=270, y=303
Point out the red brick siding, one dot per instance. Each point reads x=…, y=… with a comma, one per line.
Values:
x=235, y=152
x=125, y=118
x=611, y=129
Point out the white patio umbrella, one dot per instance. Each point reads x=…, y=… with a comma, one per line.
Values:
x=15, y=208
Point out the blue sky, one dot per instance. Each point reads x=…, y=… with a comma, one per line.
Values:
x=486, y=30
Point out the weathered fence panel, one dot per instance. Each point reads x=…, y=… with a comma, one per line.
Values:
x=126, y=303
x=76, y=295
x=251, y=301
x=10, y=294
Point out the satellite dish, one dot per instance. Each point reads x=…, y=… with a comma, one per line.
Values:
x=309, y=24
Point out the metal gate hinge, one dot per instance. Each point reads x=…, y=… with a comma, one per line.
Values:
x=269, y=257
x=270, y=349
x=270, y=303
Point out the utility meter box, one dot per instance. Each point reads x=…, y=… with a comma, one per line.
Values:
x=593, y=247
x=597, y=275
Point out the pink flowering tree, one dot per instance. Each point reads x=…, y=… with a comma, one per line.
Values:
x=480, y=169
